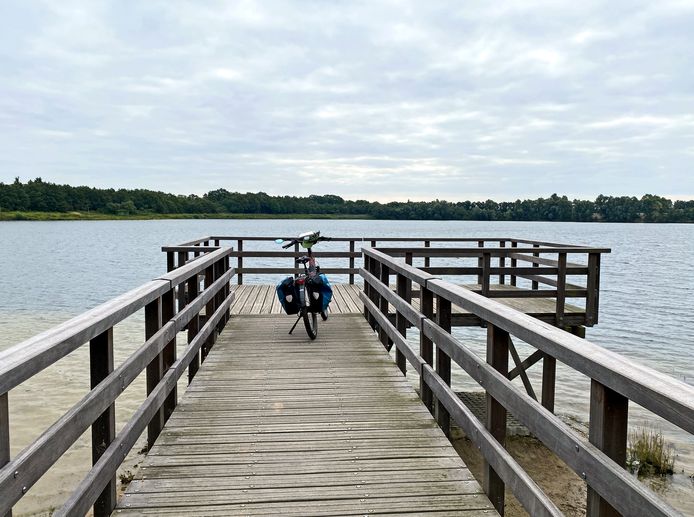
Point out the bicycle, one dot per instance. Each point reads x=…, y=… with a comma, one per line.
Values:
x=310, y=300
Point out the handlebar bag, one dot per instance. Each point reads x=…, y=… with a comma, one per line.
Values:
x=288, y=295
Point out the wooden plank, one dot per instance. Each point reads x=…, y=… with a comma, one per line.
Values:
x=273, y=418
x=438, y=505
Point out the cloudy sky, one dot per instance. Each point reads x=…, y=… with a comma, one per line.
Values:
x=377, y=100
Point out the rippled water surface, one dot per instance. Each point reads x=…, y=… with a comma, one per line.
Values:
x=52, y=271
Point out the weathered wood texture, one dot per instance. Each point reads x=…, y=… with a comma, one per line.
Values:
x=278, y=424
x=262, y=299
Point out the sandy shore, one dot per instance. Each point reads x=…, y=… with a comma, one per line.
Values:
x=559, y=482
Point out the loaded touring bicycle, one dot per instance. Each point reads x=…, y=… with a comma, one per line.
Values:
x=309, y=293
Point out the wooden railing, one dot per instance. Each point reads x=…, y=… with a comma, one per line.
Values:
x=484, y=261
x=172, y=303
x=615, y=380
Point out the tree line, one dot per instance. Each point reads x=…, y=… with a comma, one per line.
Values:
x=41, y=196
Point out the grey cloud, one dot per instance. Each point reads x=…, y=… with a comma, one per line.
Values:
x=389, y=100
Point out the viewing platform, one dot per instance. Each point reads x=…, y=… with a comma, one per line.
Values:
x=272, y=423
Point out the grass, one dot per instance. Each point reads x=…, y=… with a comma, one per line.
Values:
x=98, y=216
x=126, y=477
x=648, y=453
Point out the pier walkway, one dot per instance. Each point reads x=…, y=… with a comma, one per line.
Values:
x=278, y=424
x=273, y=424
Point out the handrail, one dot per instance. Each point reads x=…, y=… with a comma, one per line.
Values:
x=612, y=375
x=24, y=360
x=164, y=319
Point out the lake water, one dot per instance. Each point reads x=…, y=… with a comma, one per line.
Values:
x=52, y=271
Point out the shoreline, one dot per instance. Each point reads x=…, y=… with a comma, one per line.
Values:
x=9, y=216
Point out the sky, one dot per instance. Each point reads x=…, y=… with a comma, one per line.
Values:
x=378, y=100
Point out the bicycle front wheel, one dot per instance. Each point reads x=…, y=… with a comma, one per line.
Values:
x=311, y=323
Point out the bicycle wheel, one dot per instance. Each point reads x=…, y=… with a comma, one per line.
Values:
x=310, y=322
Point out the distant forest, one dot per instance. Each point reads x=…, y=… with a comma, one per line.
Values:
x=40, y=196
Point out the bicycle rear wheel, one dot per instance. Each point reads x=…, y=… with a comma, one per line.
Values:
x=310, y=322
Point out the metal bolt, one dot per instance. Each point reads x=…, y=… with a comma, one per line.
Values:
x=16, y=474
x=583, y=475
x=576, y=446
x=24, y=490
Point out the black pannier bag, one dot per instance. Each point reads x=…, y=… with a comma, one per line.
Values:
x=288, y=295
x=315, y=291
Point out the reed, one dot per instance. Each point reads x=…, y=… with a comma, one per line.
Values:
x=648, y=453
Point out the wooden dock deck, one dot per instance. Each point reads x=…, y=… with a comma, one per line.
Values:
x=277, y=424
x=262, y=299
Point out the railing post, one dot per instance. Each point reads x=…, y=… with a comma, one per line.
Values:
x=593, y=288
x=383, y=306
x=404, y=291
x=367, y=292
x=480, y=263
x=210, y=307
x=514, y=263
x=427, y=259
x=170, y=261
x=502, y=263
x=561, y=290
x=535, y=285
x=296, y=252
x=351, y=262
x=426, y=346
x=497, y=357
x=155, y=369
x=168, y=310
x=549, y=377
x=227, y=289
x=104, y=427
x=193, y=326
x=219, y=297
x=181, y=289
x=443, y=361
x=239, y=262
x=608, y=432
x=408, y=258
x=486, y=275
x=5, y=434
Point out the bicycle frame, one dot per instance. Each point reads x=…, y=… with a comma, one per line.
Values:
x=311, y=270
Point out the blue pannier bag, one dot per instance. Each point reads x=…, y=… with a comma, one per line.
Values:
x=327, y=291
x=289, y=298
x=321, y=293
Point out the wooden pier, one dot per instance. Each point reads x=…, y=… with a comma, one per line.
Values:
x=277, y=424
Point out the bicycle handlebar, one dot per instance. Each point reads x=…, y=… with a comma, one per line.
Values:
x=297, y=241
